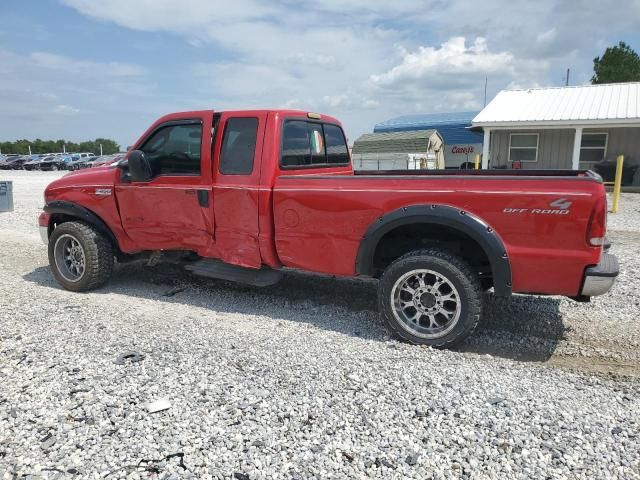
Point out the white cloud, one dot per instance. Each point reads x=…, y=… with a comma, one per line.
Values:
x=66, y=109
x=85, y=67
x=452, y=58
x=171, y=16
x=255, y=84
x=451, y=77
x=359, y=60
x=336, y=100
x=347, y=57
x=317, y=59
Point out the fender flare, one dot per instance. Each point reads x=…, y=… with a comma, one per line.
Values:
x=81, y=213
x=448, y=216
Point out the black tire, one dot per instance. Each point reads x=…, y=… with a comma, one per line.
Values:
x=398, y=298
x=96, y=253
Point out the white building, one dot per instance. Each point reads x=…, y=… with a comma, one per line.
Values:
x=562, y=128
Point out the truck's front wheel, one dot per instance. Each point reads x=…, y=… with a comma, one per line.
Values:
x=430, y=297
x=81, y=258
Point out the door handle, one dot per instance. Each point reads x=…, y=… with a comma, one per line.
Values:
x=203, y=198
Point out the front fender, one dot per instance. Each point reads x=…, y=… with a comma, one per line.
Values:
x=79, y=212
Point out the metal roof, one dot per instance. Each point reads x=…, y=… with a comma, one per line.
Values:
x=394, y=142
x=582, y=105
x=453, y=127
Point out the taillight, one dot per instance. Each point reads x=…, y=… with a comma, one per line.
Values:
x=598, y=223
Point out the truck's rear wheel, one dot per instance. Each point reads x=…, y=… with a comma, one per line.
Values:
x=81, y=258
x=430, y=297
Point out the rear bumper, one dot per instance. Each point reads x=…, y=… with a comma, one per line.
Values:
x=599, y=279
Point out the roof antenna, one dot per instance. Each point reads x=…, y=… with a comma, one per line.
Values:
x=485, y=91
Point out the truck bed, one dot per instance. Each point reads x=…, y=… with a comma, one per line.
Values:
x=330, y=215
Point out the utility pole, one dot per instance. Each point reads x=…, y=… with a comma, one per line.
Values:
x=568, y=72
x=29, y=150
x=64, y=148
x=100, y=149
x=485, y=91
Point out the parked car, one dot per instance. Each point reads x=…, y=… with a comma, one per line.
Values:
x=36, y=160
x=6, y=157
x=15, y=163
x=55, y=162
x=75, y=161
x=284, y=195
x=104, y=160
x=86, y=163
x=75, y=158
x=75, y=164
x=607, y=170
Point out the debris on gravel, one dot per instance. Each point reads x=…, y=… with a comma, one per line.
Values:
x=159, y=405
x=300, y=380
x=132, y=357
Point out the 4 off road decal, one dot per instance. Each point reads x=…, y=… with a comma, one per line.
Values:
x=560, y=206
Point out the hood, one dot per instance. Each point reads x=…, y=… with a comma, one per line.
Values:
x=90, y=177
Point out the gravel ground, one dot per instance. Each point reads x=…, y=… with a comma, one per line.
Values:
x=300, y=380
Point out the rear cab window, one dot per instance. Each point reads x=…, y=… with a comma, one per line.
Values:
x=238, y=146
x=311, y=144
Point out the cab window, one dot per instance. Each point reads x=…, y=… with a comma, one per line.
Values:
x=312, y=144
x=238, y=146
x=337, y=151
x=175, y=149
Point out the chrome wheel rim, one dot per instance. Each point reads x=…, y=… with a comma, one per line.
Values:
x=70, y=258
x=426, y=303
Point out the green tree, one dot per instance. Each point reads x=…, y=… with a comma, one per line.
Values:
x=51, y=146
x=618, y=64
x=108, y=146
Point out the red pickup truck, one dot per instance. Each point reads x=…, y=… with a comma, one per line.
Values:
x=244, y=195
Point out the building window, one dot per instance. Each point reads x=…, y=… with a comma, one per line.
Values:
x=523, y=147
x=593, y=148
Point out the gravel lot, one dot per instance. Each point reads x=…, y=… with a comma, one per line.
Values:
x=300, y=380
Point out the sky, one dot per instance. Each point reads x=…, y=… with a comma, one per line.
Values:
x=81, y=69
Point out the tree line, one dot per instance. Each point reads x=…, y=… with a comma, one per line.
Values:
x=53, y=146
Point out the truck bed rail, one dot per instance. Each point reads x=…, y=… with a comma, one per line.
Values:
x=575, y=174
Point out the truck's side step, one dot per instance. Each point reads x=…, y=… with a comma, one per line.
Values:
x=224, y=271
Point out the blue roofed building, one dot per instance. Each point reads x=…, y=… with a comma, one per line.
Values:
x=461, y=144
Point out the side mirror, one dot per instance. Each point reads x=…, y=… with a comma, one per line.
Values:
x=139, y=167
